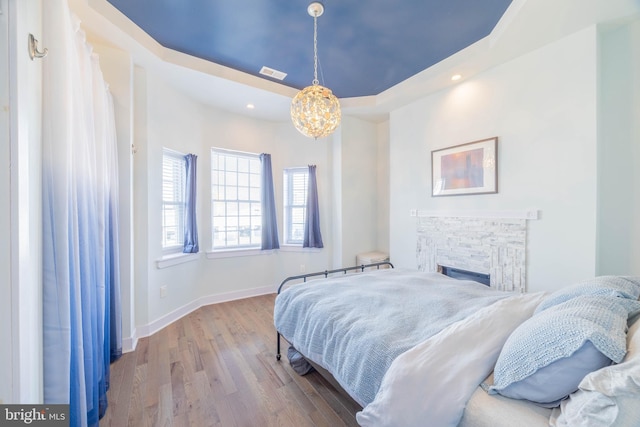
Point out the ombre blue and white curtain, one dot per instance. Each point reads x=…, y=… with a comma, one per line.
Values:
x=81, y=288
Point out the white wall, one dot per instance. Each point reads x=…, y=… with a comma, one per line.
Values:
x=5, y=212
x=383, y=187
x=542, y=106
x=117, y=68
x=174, y=122
x=165, y=117
x=140, y=209
x=23, y=195
x=619, y=150
x=358, y=180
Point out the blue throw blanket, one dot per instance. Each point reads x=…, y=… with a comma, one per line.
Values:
x=356, y=325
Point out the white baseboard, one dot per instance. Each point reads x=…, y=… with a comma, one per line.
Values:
x=129, y=344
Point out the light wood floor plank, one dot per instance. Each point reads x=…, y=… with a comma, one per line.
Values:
x=216, y=367
x=120, y=390
x=201, y=411
x=137, y=404
x=153, y=366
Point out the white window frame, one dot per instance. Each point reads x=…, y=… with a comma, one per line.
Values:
x=173, y=199
x=294, y=199
x=241, y=208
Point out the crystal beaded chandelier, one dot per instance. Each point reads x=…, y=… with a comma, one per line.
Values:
x=315, y=111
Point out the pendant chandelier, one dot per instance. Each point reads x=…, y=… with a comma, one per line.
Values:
x=315, y=111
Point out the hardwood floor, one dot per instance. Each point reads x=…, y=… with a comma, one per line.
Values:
x=217, y=367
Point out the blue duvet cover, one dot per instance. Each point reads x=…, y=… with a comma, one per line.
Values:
x=356, y=325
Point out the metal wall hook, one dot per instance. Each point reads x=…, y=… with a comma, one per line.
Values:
x=33, y=48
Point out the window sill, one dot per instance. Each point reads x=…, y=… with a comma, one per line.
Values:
x=298, y=248
x=175, y=259
x=232, y=253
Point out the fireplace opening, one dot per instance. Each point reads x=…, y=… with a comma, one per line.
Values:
x=457, y=273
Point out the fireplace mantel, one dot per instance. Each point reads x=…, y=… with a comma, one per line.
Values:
x=530, y=214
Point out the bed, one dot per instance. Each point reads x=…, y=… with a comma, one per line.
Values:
x=409, y=346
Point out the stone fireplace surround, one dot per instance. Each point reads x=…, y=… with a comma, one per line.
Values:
x=483, y=243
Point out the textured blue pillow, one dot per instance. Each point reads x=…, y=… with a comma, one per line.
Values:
x=552, y=383
x=620, y=286
x=585, y=332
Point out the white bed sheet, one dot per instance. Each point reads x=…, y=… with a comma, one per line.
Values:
x=434, y=380
x=483, y=410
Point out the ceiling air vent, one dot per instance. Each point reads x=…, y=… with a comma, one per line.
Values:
x=270, y=72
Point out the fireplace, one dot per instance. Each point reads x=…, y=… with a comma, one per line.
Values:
x=458, y=273
x=493, y=247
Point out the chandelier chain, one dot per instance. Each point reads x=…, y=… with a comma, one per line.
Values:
x=315, y=50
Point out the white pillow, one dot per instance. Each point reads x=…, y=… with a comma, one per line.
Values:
x=607, y=397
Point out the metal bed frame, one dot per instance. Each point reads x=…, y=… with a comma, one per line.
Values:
x=326, y=274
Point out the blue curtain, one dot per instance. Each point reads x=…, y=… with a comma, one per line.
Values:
x=81, y=287
x=312, y=235
x=269, y=219
x=190, y=223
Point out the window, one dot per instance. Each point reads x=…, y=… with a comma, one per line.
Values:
x=173, y=199
x=235, y=200
x=295, y=204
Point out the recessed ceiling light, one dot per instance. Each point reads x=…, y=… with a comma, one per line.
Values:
x=250, y=106
x=456, y=77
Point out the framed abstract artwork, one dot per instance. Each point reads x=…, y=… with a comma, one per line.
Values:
x=470, y=168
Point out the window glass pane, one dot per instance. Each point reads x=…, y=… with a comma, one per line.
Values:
x=256, y=233
x=243, y=165
x=254, y=194
x=173, y=198
x=297, y=232
x=219, y=223
x=236, y=199
x=231, y=192
x=231, y=178
x=219, y=238
x=244, y=209
x=256, y=210
x=254, y=180
x=295, y=200
x=243, y=180
x=218, y=210
x=232, y=238
x=232, y=210
x=243, y=193
x=297, y=214
x=255, y=166
x=231, y=163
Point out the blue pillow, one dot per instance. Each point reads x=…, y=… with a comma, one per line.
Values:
x=552, y=383
x=620, y=286
x=585, y=333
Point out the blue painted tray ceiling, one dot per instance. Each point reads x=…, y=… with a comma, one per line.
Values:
x=364, y=47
